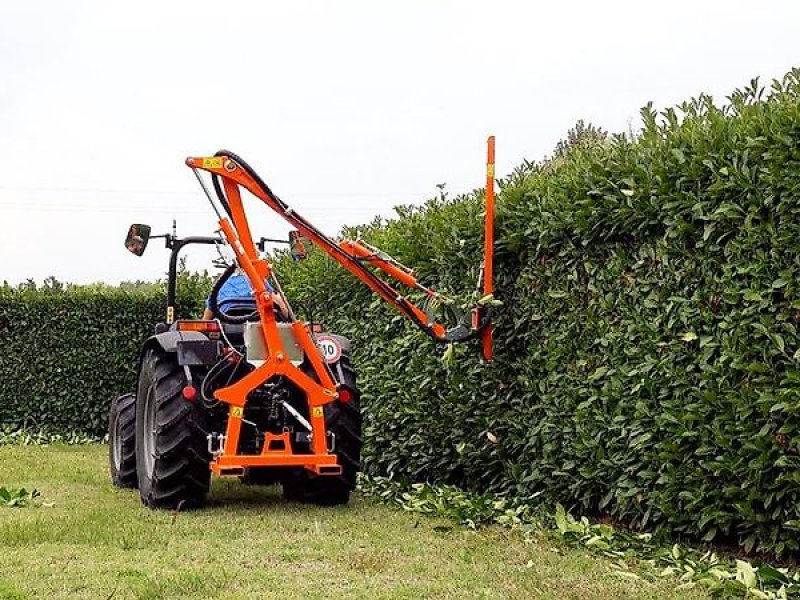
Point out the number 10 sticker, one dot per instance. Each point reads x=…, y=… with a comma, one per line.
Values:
x=330, y=347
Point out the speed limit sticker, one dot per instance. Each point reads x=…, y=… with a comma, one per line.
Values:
x=330, y=347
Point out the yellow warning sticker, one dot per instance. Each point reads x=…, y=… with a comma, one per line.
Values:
x=212, y=163
x=317, y=411
x=237, y=411
x=490, y=170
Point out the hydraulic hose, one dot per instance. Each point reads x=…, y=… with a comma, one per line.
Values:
x=220, y=195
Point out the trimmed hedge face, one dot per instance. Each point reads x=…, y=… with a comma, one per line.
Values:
x=647, y=353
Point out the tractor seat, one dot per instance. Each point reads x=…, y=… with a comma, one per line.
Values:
x=239, y=307
x=236, y=307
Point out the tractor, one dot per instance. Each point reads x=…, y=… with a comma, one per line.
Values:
x=255, y=392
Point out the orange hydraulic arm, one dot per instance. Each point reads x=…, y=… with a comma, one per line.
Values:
x=355, y=256
x=488, y=248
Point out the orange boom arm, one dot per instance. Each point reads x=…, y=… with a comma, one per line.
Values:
x=355, y=256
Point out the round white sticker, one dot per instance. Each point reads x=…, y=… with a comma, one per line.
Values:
x=329, y=346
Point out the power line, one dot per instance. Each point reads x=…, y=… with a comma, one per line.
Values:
x=177, y=211
x=65, y=190
x=173, y=210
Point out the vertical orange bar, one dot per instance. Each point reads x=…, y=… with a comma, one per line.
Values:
x=233, y=431
x=488, y=245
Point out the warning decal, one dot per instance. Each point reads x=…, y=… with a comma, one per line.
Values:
x=212, y=163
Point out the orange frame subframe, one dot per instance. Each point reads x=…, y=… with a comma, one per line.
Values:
x=318, y=394
x=349, y=254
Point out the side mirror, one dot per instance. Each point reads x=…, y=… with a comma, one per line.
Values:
x=299, y=245
x=138, y=236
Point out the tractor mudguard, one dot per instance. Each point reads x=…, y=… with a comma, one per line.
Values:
x=206, y=352
x=168, y=341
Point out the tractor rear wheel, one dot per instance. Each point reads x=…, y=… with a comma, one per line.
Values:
x=171, y=448
x=122, y=441
x=343, y=420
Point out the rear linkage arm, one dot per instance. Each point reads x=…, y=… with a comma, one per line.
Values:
x=352, y=255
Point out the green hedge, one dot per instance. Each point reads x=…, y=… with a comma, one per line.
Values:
x=647, y=352
x=67, y=350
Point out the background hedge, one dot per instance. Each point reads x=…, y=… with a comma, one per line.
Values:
x=67, y=350
x=647, y=352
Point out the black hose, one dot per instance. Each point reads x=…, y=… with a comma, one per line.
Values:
x=213, y=374
x=250, y=171
x=220, y=195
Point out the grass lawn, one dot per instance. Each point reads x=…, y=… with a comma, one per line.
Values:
x=100, y=542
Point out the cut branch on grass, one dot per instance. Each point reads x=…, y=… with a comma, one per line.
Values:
x=634, y=554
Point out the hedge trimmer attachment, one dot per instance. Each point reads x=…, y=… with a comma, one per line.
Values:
x=250, y=390
x=299, y=359
x=229, y=173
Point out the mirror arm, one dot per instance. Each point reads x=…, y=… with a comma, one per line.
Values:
x=262, y=243
x=168, y=239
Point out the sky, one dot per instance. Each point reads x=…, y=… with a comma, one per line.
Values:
x=345, y=108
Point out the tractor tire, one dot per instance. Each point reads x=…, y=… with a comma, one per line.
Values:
x=172, y=458
x=122, y=441
x=343, y=419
